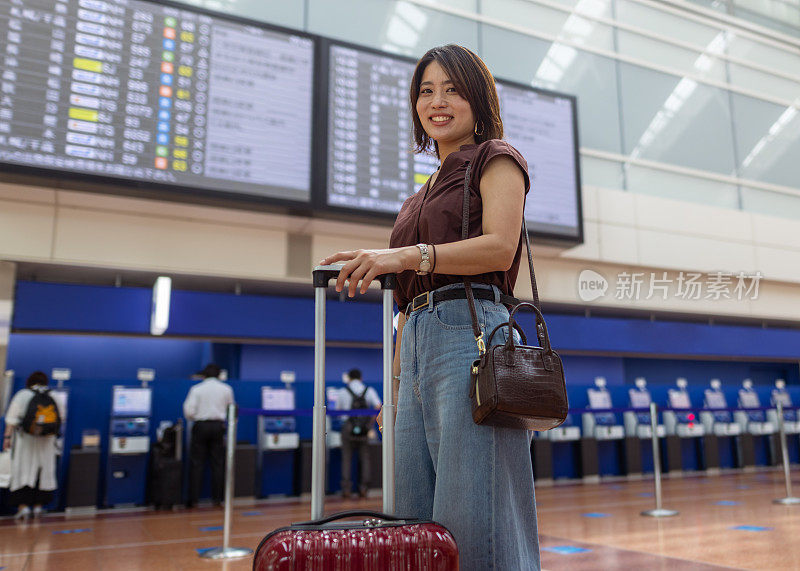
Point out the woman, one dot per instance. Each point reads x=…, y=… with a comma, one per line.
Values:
x=476, y=480
x=33, y=458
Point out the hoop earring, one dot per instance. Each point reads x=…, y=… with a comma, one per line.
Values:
x=475, y=130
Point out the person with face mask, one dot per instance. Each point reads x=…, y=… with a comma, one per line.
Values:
x=356, y=429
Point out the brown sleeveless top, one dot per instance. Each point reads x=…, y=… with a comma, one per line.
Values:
x=433, y=216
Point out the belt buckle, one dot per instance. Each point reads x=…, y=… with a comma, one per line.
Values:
x=415, y=306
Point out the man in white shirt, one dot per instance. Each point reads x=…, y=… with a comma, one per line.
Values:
x=355, y=429
x=206, y=405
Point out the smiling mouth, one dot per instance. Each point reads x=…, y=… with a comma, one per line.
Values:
x=441, y=119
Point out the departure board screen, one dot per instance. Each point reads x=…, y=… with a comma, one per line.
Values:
x=370, y=163
x=153, y=93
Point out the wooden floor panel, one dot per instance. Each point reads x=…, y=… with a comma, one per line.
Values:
x=582, y=527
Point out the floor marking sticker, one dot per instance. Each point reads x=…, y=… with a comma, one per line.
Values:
x=566, y=549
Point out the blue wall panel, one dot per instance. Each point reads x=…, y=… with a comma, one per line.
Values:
x=65, y=307
x=61, y=307
x=229, y=315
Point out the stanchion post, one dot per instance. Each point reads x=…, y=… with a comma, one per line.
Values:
x=789, y=500
x=387, y=456
x=227, y=552
x=659, y=511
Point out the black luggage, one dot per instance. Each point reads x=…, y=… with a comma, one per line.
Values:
x=166, y=477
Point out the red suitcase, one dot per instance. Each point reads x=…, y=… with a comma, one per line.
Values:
x=356, y=540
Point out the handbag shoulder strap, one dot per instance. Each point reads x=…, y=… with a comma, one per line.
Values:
x=468, y=287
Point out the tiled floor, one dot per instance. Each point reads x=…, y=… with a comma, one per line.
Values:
x=596, y=526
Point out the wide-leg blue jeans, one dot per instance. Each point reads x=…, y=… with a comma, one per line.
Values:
x=475, y=480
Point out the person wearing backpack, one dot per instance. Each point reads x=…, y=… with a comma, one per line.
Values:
x=355, y=429
x=33, y=422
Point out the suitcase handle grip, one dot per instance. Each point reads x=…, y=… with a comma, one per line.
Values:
x=324, y=274
x=351, y=514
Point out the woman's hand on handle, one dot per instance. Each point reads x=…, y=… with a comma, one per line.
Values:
x=365, y=265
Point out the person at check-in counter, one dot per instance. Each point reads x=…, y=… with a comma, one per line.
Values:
x=356, y=429
x=33, y=422
x=206, y=406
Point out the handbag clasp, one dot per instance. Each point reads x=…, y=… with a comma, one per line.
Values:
x=481, y=345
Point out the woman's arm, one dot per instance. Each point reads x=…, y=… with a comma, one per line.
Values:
x=502, y=188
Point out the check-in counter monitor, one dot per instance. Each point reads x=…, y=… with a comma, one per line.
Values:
x=716, y=420
x=752, y=421
x=684, y=421
x=601, y=425
x=637, y=423
x=791, y=424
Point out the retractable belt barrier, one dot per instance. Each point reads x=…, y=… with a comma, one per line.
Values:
x=667, y=408
x=307, y=412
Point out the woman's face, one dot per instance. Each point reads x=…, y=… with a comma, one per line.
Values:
x=445, y=115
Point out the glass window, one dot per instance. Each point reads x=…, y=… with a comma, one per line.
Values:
x=573, y=27
x=565, y=69
x=772, y=203
x=767, y=141
x=397, y=27
x=602, y=173
x=705, y=64
x=766, y=83
x=767, y=56
x=675, y=120
x=664, y=23
x=682, y=187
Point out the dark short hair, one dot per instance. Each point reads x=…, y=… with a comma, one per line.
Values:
x=472, y=80
x=37, y=378
x=354, y=374
x=210, y=370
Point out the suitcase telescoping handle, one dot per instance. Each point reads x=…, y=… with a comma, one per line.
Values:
x=322, y=276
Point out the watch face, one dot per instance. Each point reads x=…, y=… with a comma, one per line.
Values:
x=425, y=265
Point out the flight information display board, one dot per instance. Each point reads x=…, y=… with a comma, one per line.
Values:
x=370, y=163
x=153, y=93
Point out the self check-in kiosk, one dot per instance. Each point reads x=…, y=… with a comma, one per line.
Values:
x=601, y=433
x=637, y=422
x=683, y=428
x=716, y=420
x=683, y=422
x=791, y=424
x=754, y=427
x=719, y=427
x=638, y=428
x=278, y=440
x=126, y=474
x=752, y=421
x=601, y=425
x=553, y=451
